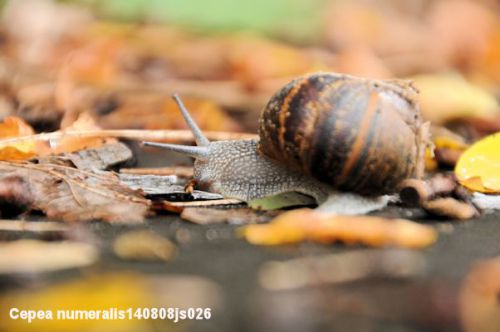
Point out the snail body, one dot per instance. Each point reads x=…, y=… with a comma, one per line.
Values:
x=247, y=175
x=320, y=133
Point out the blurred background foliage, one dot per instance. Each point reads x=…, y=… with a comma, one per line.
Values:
x=296, y=19
x=228, y=57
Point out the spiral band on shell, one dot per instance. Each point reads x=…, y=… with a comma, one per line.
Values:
x=356, y=134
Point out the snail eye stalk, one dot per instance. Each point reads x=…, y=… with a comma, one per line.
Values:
x=200, y=139
x=200, y=151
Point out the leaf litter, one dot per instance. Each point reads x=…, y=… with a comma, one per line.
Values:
x=70, y=194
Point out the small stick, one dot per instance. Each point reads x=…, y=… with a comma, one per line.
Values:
x=214, y=202
x=135, y=134
x=451, y=208
x=181, y=171
x=415, y=192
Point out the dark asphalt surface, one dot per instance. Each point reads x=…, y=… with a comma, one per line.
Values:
x=428, y=302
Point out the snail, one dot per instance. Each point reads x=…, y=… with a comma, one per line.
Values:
x=320, y=133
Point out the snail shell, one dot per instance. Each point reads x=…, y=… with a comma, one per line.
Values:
x=355, y=134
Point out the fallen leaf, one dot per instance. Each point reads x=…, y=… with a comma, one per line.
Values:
x=69, y=194
x=478, y=168
x=34, y=256
x=18, y=141
x=304, y=224
x=447, y=97
x=101, y=157
x=14, y=127
x=143, y=245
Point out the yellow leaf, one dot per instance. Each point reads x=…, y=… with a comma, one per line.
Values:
x=479, y=166
x=445, y=97
x=14, y=127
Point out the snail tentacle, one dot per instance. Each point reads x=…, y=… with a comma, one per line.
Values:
x=198, y=152
x=199, y=137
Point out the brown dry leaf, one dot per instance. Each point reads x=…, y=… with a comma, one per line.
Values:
x=143, y=245
x=100, y=158
x=32, y=256
x=305, y=224
x=69, y=194
x=14, y=127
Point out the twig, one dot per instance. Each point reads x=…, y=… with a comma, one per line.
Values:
x=135, y=134
x=182, y=171
x=415, y=192
x=215, y=202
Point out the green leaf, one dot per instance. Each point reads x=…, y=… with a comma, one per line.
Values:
x=282, y=200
